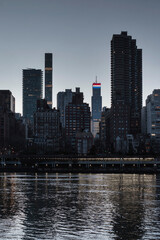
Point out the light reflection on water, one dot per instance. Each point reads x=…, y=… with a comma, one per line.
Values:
x=79, y=206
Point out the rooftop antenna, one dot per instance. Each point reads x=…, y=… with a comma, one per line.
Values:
x=96, y=79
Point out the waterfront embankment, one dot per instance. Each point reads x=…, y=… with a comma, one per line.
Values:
x=53, y=164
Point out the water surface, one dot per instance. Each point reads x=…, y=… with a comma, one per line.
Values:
x=79, y=206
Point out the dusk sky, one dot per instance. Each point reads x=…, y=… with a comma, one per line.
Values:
x=78, y=33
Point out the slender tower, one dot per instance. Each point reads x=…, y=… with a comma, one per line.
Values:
x=96, y=107
x=48, y=78
x=126, y=86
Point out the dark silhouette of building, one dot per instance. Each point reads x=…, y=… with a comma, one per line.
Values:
x=104, y=133
x=12, y=131
x=63, y=98
x=7, y=107
x=96, y=107
x=48, y=78
x=84, y=142
x=126, y=87
x=77, y=118
x=47, y=128
x=32, y=91
x=151, y=120
x=7, y=100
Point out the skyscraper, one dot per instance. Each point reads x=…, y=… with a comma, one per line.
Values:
x=63, y=98
x=153, y=113
x=32, y=91
x=150, y=122
x=126, y=86
x=7, y=119
x=7, y=100
x=77, y=118
x=96, y=107
x=48, y=78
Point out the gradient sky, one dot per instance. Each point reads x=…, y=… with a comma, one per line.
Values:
x=78, y=33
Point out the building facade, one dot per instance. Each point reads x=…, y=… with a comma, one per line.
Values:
x=47, y=128
x=77, y=118
x=7, y=107
x=126, y=87
x=12, y=131
x=7, y=100
x=48, y=79
x=104, y=127
x=153, y=119
x=32, y=91
x=96, y=108
x=84, y=142
x=144, y=120
x=63, y=99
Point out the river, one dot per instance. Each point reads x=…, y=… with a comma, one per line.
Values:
x=79, y=206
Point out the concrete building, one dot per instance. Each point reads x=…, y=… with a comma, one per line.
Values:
x=47, y=128
x=84, y=142
x=7, y=100
x=63, y=99
x=77, y=118
x=7, y=109
x=48, y=79
x=32, y=91
x=96, y=101
x=105, y=130
x=12, y=131
x=126, y=87
x=153, y=119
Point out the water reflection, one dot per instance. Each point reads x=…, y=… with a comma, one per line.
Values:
x=79, y=206
x=129, y=208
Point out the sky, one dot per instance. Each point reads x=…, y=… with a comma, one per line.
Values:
x=78, y=33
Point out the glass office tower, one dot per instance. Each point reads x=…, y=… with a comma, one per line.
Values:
x=32, y=91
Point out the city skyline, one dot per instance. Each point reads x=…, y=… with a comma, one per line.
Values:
x=78, y=34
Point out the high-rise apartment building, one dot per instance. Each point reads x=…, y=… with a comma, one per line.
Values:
x=48, y=79
x=151, y=119
x=77, y=118
x=126, y=87
x=63, y=99
x=7, y=100
x=12, y=131
x=47, y=128
x=32, y=91
x=7, y=120
x=153, y=113
x=96, y=108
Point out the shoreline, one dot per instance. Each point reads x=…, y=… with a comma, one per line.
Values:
x=55, y=164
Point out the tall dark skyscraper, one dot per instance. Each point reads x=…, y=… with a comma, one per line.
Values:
x=32, y=91
x=126, y=86
x=48, y=78
x=7, y=100
x=96, y=107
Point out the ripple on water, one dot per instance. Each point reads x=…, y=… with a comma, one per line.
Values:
x=79, y=206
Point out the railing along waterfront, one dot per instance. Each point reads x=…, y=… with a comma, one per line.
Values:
x=49, y=158
x=79, y=164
